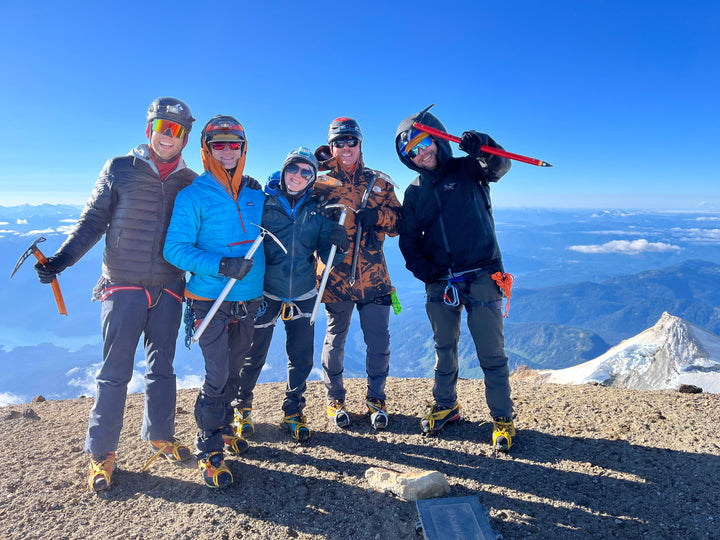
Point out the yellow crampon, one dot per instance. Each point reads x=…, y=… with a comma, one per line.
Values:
x=244, y=422
x=441, y=416
x=215, y=472
x=235, y=445
x=503, y=433
x=169, y=449
x=101, y=472
x=296, y=425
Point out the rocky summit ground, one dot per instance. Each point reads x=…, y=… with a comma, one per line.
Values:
x=590, y=462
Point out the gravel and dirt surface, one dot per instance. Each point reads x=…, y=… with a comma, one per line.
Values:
x=590, y=462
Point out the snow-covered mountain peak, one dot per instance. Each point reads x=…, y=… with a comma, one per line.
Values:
x=670, y=353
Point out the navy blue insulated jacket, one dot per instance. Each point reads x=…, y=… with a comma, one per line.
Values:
x=303, y=232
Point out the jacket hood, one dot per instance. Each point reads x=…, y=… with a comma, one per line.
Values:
x=142, y=151
x=429, y=119
x=213, y=166
x=274, y=189
x=301, y=155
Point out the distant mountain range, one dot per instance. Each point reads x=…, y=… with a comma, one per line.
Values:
x=584, y=281
x=671, y=353
x=623, y=306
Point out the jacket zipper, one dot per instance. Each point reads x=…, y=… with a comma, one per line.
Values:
x=442, y=227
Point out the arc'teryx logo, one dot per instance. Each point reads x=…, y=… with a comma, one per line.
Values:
x=449, y=186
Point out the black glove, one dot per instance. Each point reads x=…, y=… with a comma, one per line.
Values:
x=235, y=267
x=333, y=213
x=48, y=272
x=323, y=153
x=367, y=218
x=338, y=236
x=471, y=142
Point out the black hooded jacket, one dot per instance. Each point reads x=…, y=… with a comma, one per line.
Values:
x=447, y=224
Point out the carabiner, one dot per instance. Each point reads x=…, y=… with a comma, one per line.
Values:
x=287, y=307
x=451, y=296
x=238, y=311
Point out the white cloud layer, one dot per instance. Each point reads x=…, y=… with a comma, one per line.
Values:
x=190, y=381
x=8, y=398
x=697, y=236
x=626, y=247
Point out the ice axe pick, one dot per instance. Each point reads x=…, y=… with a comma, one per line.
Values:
x=220, y=299
x=35, y=250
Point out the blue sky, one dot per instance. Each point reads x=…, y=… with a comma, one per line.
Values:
x=621, y=97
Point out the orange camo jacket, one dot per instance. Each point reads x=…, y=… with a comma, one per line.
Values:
x=339, y=187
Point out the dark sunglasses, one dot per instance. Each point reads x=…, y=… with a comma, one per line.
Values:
x=231, y=145
x=163, y=126
x=293, y=168
x=352, y=142
x=415, y=150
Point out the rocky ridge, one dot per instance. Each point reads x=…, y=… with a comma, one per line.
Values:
x=589, y=460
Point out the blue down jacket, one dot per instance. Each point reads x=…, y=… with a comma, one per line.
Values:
x=208, y=224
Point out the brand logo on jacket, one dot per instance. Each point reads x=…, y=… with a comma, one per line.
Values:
x=449, y=186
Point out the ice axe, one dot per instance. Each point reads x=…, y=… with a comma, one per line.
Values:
x=220, y=299
x=359, y=231
x=328, y=267
x=35, y=250
x=488, y=149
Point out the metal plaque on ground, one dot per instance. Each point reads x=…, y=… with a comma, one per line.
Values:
x=461, y=518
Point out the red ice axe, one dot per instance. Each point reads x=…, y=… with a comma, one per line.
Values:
x=487, y=149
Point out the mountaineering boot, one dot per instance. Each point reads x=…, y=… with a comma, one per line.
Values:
x=336, y=411
x=234, y=445
x=438, y=417
x=503, y=433
x=214, y=471
x=244, y=422
x=296, y=425
x=378, y=415
x=101, y=469
x=170, y=449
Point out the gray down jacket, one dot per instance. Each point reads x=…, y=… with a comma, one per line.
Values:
x=131, y=206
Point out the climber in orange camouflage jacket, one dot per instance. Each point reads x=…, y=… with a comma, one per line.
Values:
x=372, y=204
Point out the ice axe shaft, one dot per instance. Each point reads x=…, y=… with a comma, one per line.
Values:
x=359, y=231
x=328, y=268
x=35, y=250
x=220, y=299
x=487, y=149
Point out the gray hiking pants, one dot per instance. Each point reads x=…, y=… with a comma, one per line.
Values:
x=129, y=311
x=374, y=320
x=482, y=299
x=299, y=346
x=224, y=344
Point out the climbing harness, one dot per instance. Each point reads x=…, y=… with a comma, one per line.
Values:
x=288, y=310
x=451, y=296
